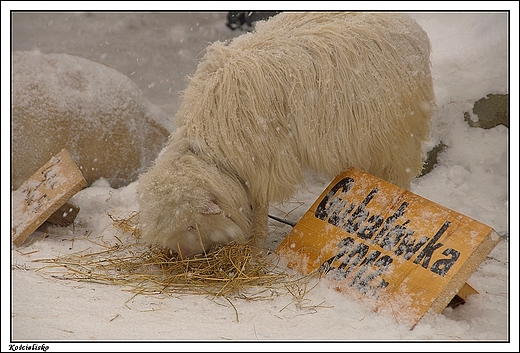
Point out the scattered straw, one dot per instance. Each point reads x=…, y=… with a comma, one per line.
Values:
x=227, y=270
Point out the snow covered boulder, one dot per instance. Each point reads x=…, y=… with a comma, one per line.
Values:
x=95, y=112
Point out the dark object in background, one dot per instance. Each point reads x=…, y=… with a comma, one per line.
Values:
x=432, y=158
x=490, y=111
x=236, y=19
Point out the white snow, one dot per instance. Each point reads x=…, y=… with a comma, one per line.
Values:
x=157, y=50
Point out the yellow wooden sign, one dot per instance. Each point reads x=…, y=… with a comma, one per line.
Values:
x=43, y=194
x=384, y=245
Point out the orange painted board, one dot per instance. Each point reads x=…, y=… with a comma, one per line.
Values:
x=43, y=194
x=404, y=254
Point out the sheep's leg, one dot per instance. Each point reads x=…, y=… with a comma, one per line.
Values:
x=260, y=216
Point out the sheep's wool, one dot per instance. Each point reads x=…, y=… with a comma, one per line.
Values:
x=319, y=91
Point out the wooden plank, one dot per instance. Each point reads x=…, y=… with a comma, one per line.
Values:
x=466, y=291
x=64, y=216
x=462, y=295
x=43, y=194
x=404, y=254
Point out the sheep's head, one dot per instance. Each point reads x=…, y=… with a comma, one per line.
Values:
x=199, y=228
x=188, y=206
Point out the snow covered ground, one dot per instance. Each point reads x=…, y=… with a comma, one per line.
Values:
x=157, y=50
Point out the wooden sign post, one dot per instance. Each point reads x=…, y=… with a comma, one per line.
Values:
x=380, y=243
x=43, y=194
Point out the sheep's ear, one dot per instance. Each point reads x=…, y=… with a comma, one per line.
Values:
x=211, y=208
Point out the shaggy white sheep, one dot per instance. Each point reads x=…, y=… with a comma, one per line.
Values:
x=324, y=91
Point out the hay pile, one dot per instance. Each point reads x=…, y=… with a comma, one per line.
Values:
x=229, y=270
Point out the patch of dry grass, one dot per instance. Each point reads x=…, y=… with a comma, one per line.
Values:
x=226, y=271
